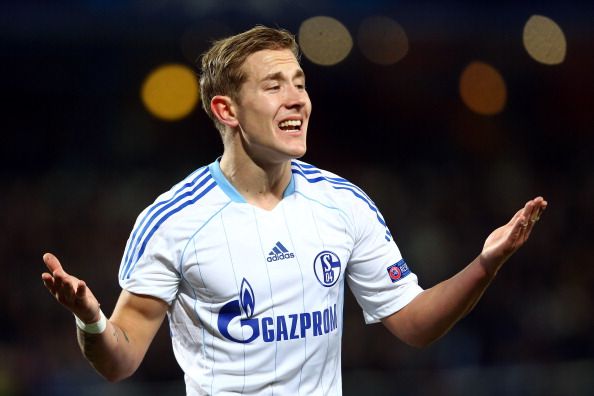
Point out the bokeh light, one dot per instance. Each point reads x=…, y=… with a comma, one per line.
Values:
x=544, y=40
x=324, y=41
x=382, y=40
x=170, y=92
x=483, y=89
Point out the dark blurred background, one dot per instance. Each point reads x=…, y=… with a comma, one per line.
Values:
x=81, y=156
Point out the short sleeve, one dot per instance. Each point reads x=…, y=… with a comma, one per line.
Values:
x=148, y=265
x=378, y=276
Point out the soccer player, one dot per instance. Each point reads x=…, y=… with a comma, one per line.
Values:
x=248, y=256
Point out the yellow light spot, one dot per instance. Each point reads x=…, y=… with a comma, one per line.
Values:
x=544, y=40
x=382, y=40
x=483, y=89
x=170, y=92
x=324, y=40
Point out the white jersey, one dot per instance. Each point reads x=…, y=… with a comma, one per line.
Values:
x=255, y=296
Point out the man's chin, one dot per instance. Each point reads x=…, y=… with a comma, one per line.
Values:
x=279, y=155
x=295, y=154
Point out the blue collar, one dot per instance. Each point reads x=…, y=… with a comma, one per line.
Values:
x=231, y=191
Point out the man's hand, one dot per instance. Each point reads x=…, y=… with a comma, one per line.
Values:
x=70, y=291
x=433, y=312
x=505, y=240
x=116, y=352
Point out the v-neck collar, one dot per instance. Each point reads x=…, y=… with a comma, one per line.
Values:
x=230, y=190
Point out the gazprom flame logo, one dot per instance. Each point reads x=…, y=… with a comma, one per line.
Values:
x=237, y=323
x=249, y=326
x=247, y=299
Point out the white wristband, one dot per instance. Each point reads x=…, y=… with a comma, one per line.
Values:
x=92, y=328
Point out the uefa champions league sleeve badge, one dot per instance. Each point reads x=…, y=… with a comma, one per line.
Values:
x=398, y=271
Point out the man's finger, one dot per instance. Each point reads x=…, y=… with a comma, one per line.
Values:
x=66, y=291
x=522, y=228
x=539, y=209
x=58, y=280
x=539, y=206
x=536, y=215
x=47, y=277
x=533, y=210
x=528, y=212
x=80, y=291
x=52, y=262
x=71, y=287
x=48, y=281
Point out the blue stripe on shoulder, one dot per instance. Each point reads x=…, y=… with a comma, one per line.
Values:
x=305, y=170
x=303, y=165
x=140, y=236
x=162, y=220
x=133, y=242
x=310, y=169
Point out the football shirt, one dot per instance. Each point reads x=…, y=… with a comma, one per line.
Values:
x=256, y=296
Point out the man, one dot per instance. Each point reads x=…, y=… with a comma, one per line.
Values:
x=248, y=256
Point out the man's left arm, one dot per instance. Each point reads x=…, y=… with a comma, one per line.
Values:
x=435, y=311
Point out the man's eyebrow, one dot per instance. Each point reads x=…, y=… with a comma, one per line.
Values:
x=278, y=76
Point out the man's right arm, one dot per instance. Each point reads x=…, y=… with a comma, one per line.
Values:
x=117, y=351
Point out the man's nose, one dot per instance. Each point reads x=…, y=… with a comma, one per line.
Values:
x=296, y=97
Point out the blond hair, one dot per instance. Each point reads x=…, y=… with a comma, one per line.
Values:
x=221, y=66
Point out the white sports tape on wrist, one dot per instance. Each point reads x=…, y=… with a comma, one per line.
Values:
x=92, y=328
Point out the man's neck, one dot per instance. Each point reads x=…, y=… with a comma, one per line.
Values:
x=261, y=185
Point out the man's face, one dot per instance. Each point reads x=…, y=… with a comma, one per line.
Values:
x=274, y=108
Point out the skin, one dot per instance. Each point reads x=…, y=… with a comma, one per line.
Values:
x=256, y=160
x=257, y=154
x=435, y=311
x=117, y=352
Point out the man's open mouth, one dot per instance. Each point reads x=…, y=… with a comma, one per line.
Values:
x=290, y=125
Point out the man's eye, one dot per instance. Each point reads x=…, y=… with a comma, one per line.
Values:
x=273, y=88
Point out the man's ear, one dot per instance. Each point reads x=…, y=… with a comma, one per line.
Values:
x=223, y=109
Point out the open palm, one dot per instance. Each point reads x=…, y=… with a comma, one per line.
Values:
x=505, y=240
x=70, y=291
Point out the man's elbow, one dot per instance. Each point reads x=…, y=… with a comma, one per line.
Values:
x=114, y=374
x=419, y=342
x=114, y=377
x=414, y=336
x=420, y=339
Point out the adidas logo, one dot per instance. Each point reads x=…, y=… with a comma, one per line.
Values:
x=279, y=252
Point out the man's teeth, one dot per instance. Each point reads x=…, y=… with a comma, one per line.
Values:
x=290, y=124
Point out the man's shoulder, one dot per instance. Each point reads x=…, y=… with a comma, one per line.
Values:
x=193, y=192
x=187, y=186
x=311, y=179
x=312, y=172
x=194, y=178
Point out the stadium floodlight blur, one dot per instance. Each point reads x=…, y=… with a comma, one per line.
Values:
x=544, y=40
x=170, y=92
x=382, y=40
x=324, y=40
x=483, y=89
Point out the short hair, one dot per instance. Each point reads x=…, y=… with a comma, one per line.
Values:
x=221, y=66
